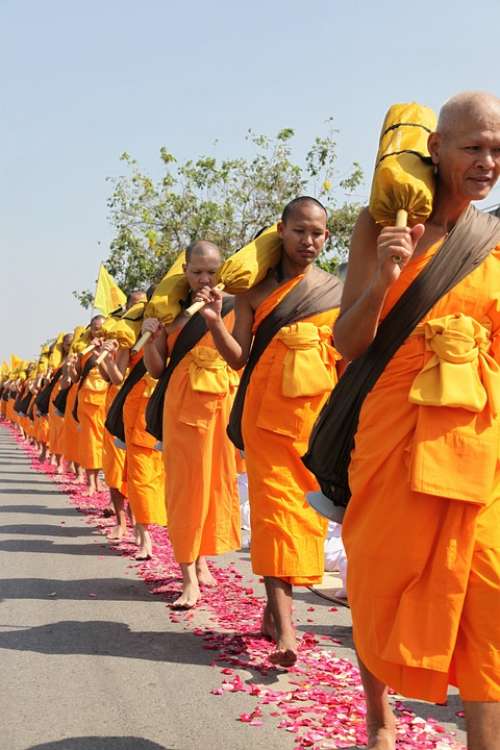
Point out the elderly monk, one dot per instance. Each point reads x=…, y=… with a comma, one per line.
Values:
x=285, y=391
x=422, y=529
x=200, y=465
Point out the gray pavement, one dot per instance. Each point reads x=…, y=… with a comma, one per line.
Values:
x=89, y=658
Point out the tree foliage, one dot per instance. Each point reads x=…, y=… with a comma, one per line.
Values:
x=226, y=201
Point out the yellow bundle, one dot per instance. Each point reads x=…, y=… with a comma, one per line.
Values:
x=165, y=304
x=248, y=266
x=127, y=328
x=403, y=179
x=56, y=356
x=81, y=339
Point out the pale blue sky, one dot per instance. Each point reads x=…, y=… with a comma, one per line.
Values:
x=84, y=81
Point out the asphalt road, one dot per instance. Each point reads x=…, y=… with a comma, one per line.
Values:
x=89, y=659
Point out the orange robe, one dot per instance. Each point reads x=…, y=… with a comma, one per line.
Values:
x=56, y=423
x=91, y=416
x=71, y=432
x=422, y=529
x=287, y=389
x=144, y=465
x=202, y=494
x=113, y=457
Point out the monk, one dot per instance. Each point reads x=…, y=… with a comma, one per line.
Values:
x=70, y=433
x=91, y=398
x=56, y=420
x=200, y=465
x=422, y=530
x=113, y=456
x=286, y=390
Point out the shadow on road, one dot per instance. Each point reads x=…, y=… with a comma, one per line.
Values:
x=40, y=529
x=105, y=589
x=39, y=510
x=103, y=638
x=30, y=492
x=100, y=743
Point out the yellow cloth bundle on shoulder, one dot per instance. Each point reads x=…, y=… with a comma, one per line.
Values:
x=56, y=356
x=250, y=265
x=165, y=303
x=127, y=328
x=403, y=178
x=81, y=339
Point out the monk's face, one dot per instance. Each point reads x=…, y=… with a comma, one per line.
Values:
x=96, y=325
x=136, y=297
x=303, y=234
x=202, y=269
x=468, y=157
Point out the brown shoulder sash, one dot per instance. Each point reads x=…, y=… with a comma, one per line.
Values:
x=318, y=291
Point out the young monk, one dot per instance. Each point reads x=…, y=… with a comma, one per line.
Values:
x=200, y=466
x=285, y=390
x=424, y=474
x=56, y=420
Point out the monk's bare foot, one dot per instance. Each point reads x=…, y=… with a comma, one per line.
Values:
x=116, y=534
x=60, y=470
x=189, y=597
x=203, y=574
x=268, y=627
x=381, y=738
x=286, y=650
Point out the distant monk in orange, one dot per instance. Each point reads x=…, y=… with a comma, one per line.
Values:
x=113, y=456
x=200, y=465
x=283, y=334
x=56, y=421
x=90, y=409
x=422, y=528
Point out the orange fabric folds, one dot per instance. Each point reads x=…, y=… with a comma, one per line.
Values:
x=422, y=529
x=202, y=496
x=287, y=389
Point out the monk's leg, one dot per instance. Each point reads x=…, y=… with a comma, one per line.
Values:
x=145, y=551
x=190, y=587
x=380, y=721
x=93, y=481
x=279, y=596
x=118, y=501
x=205, y=578
x=482, y=720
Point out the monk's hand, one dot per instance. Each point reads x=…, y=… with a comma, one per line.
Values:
x=110, y=345
x=395, y=248
x=212, y=303
x=152, y=326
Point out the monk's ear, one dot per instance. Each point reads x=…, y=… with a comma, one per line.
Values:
x=327, y=234
x=434, y=146
x=280, y=227
x=184, y=267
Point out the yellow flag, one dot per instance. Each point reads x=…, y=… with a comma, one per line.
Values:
x=15, y=362
x=108, y=295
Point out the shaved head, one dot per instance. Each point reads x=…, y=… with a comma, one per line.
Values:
x=478, y=108
x=202, y=248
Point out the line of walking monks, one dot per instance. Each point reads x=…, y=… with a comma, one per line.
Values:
x=422, y=528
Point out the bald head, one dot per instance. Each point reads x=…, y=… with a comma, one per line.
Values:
x=202, y=248
x=470, y=109
x=136, y=296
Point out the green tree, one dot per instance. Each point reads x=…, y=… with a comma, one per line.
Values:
x=226, y=201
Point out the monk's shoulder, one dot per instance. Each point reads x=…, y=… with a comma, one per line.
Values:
x=257, y=294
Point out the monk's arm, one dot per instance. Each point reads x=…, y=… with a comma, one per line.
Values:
x=155, y=349
x=372, y=270
x=235, y=346
x=114, y=369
